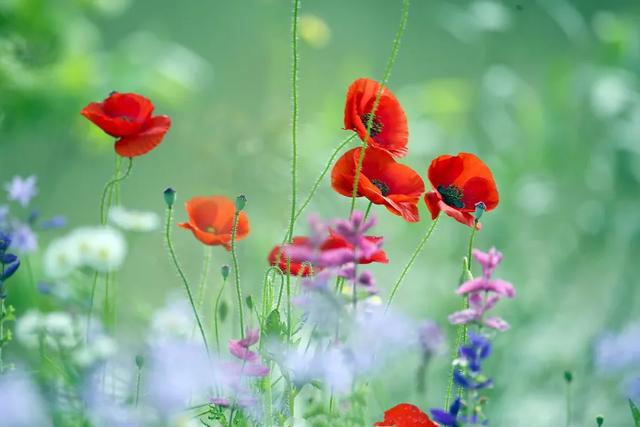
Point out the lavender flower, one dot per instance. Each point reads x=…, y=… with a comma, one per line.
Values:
x=9, y=262
x=617, y=352
x=448, y=417
x=20, y=402
x=21, y=190
x=430, y=338
x=24, y=239
x=484, y=292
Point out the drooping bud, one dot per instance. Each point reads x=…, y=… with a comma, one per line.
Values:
x=241, y=201
x=224, y=271
x=599, y=420
x=480, y=208
x=169, y=197
x=568, y=377
x=139, y=361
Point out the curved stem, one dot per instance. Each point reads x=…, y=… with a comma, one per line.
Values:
x=185, y=282
x=366, y=213
x=236, y=271
x=316, y=184
x=107, y=189
x=404, y=16
x=412, y=260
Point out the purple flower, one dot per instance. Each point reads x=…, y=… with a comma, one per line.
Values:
x=240, y=348
x=615, y=352
x=483, y=293
x=430, y=337
x=449, y=417
x=21, y=190
x=53, y=223
x=23, y=238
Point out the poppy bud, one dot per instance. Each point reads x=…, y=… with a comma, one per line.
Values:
x=169, y=196
x=249, y=302
x=225, y=272
x=139, y=361
x=241, y=201
x=568, y=377
x=480, y=208
x=599, y=420
x=223, y=310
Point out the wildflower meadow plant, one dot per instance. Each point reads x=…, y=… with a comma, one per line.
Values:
x=308, y=349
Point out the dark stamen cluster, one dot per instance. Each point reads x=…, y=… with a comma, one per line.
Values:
x=376, y=126
x=384, y=188
x=451, y=195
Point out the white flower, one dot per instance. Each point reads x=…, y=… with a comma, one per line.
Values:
x=29, y=327
x=61, y=330
x=132, y=220
x=61, y=258
x=172, y=322
x=101, y=248
x=98, y=349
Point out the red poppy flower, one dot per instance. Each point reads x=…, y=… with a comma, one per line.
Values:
x=389, y=130
x=382, y=180
x=459, y=183
x=128, y=117
x=211, y=220
x=406, y=415
x=334, y=241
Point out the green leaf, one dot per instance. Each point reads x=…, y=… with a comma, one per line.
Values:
x=273, y=327
x=635, y=412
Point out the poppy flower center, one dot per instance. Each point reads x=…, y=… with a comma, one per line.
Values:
x=376, y=126
x=451, y=195
x=210, y=229
x=384, y=188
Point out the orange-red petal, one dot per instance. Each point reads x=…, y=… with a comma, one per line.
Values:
x=148, y=138
x=211, y=220
x=406, y=415
x=120, y=114
x=394, y=133
x=403, y=185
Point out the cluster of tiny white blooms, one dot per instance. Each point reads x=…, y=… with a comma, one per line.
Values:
x=133, y=220
x=100, y=248
x=56, y=329
x=60, y=330
x=173, y=322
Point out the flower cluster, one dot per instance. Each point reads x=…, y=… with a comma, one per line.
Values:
x=483, y=293
x=22, y=228
x=101, y=249
x=459, y=182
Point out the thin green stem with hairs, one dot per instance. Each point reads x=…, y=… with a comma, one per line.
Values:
x=216, y=313
x=107, y=189
x=183, y=277
x=404, y=16
x=203, y=280
x=412, y=259
x=236, y=270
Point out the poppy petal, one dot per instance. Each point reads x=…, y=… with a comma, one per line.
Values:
x=149, y=138
x=406, y=415
x=389, y=130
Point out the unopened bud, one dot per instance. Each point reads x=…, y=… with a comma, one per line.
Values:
x=241, y=201
x=249, y=302
x=568, y=376
x=599, y=420
x=225, y=272
x=480, y=208
x=169, y=196
x=139, y=361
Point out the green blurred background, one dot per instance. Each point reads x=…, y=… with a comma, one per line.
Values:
x=546, y=92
